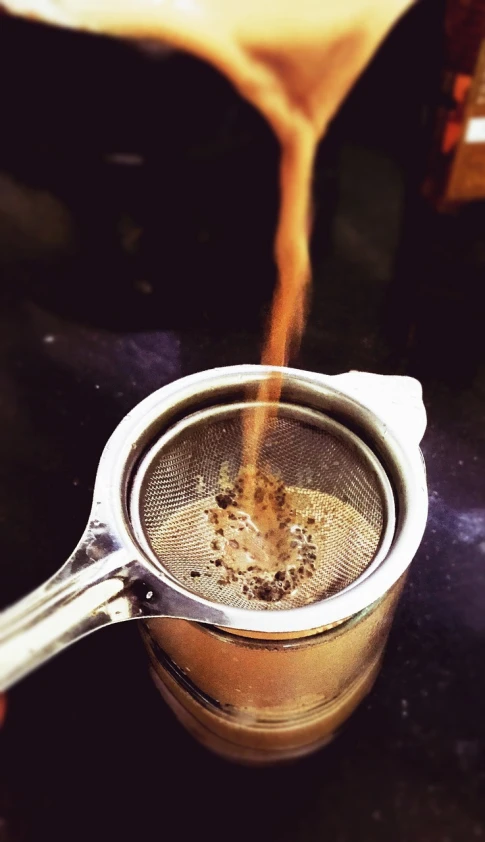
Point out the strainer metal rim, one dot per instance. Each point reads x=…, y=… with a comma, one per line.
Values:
x=284, y=410
x=395, y=436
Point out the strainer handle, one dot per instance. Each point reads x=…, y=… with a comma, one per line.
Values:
x=59, y=612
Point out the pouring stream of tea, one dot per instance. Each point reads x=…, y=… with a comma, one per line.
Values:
x=295, y=60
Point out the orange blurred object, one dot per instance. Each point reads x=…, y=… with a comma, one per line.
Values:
x=456, y=170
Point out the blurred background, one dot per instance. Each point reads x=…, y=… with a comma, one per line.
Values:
x=138, y=200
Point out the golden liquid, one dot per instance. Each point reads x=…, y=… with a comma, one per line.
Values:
x=295, y=60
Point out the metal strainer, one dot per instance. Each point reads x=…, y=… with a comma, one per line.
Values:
x=149, y=551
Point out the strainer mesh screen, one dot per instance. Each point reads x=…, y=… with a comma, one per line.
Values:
x=331, y=487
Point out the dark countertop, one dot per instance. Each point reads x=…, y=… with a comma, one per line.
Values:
x=87, y=329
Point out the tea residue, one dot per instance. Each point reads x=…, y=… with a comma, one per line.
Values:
x=259, y=531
